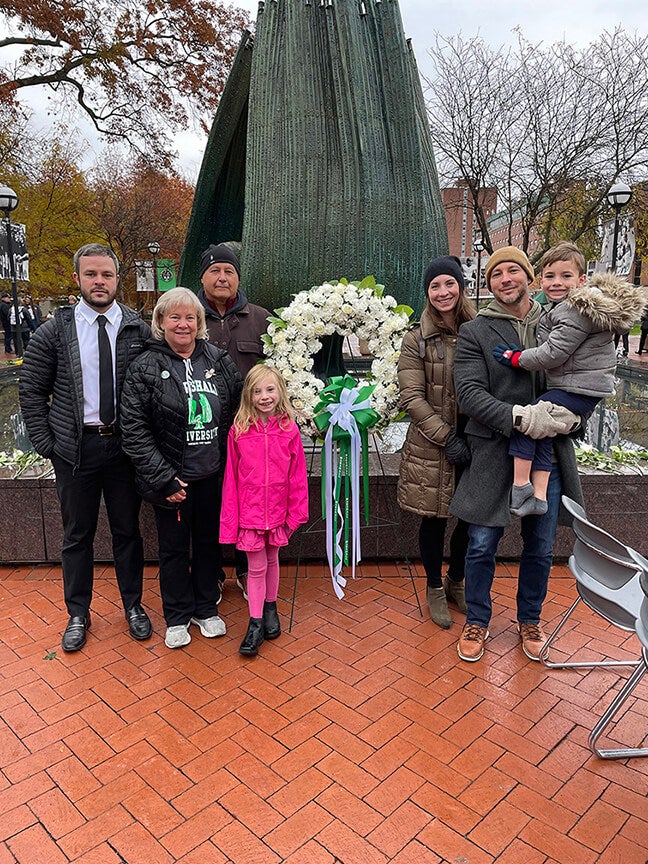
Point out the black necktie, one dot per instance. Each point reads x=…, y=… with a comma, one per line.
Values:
x=106, y=385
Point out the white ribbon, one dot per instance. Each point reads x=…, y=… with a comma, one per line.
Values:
x=342, y=415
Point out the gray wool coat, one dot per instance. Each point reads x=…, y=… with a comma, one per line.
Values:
x=486, y=391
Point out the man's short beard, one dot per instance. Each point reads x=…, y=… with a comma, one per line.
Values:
x=512, y=301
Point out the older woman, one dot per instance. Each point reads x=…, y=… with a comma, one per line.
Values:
x=177, y=405
x=434, y=446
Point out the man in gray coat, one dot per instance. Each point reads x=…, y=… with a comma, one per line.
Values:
x=496, y=400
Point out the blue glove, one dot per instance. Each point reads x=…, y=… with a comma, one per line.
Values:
x=508, y=355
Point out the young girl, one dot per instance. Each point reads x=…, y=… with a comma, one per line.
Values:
x=265, y=493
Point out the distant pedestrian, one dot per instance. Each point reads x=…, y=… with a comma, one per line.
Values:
x=5, y=308
x=644, y=331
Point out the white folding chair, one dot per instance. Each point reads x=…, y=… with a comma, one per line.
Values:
x=607, y=581
x=641, y=629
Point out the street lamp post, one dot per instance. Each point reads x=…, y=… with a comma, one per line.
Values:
x=9, y=202
x=154, y=248
x=618, y=196
x=478, y=247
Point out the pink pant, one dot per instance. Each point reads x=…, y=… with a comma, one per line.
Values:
x=263, y=578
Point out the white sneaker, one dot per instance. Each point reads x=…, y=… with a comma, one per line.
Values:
x=210, y=627
x=178, y=636
x=241, y=581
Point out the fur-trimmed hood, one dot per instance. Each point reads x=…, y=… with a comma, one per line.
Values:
x=609, y=301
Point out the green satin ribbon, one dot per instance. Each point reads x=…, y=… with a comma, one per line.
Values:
x=365, y=418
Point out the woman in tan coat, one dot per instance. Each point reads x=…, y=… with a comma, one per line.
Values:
x=434, y=449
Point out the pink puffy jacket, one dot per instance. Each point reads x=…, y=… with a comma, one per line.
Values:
x=265, y=482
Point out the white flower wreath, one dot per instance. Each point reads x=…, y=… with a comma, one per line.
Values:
x=294, y=337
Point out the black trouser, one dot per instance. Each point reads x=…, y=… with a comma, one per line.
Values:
x=431, y=537
x=240, y=562
x=103, y=469
x=190, y=554
x=624, y=340
x=642, y=340
x=7, y=339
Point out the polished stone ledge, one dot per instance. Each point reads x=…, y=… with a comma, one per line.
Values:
x=31, y=531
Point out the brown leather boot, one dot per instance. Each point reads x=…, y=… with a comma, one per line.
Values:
x=438, y=606
x=455, y=591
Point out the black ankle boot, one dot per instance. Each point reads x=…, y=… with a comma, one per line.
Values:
x=271, y=625
x=253, y=638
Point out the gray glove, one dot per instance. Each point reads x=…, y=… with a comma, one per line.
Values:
x=457, y=451
x=544, y=420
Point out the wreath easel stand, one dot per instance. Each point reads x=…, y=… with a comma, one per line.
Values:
x=329, y=362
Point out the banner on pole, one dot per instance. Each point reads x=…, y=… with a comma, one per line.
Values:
x=19, y=244
x=166, y=274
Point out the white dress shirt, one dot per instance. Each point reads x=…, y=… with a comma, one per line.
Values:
x=87, y=329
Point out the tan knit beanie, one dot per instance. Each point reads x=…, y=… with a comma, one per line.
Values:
x=509, y=253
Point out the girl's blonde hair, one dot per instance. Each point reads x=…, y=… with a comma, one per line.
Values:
x=247, y=416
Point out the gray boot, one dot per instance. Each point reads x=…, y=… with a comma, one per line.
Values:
x=455, y=591
x=438, y=606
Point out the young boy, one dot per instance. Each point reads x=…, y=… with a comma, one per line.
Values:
x=575, y=349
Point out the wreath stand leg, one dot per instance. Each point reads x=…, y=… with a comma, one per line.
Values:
x=393, y=522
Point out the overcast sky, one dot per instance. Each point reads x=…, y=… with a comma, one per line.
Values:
x=578, y=21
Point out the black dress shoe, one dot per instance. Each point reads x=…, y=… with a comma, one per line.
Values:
x=253, y=638
x=271, y=626
x=139, y=623
x=75, y=632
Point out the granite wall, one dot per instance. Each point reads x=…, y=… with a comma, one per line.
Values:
x=31, y=531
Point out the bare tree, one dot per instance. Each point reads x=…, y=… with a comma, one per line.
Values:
x=549, y=126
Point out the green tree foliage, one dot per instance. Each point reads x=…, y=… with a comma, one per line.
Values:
x=138, y=70
x=136, y=203
x=123, y=204
x=54, y=205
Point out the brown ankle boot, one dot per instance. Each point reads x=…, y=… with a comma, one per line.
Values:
x=438, y=606
x=456, y=592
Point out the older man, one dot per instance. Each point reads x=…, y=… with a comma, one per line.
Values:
x=70, y=388
x=495, y=398
x=235, y=325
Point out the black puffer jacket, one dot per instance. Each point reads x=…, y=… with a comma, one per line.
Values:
x=154, y=414
x=51, y=386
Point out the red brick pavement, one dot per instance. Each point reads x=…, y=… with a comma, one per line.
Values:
x=358, y=738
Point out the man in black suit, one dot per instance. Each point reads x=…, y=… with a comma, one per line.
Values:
x=70, y=388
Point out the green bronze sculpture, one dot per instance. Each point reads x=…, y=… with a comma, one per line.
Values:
x=319, y=159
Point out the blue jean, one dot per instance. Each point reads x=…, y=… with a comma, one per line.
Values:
x=538, y=536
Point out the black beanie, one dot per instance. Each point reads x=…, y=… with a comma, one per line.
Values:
x=221, y=254
x=447, y=265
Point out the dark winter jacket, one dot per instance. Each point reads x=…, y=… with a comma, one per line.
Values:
x=154, y=415
x=486, y=391
x=576, y=336
x=427, y=480
x=239, y=331
x=51, y=385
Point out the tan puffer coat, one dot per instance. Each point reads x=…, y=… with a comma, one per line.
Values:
x=427, y=481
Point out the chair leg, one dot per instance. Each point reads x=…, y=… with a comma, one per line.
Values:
x=616, y=703
x=577, y=664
